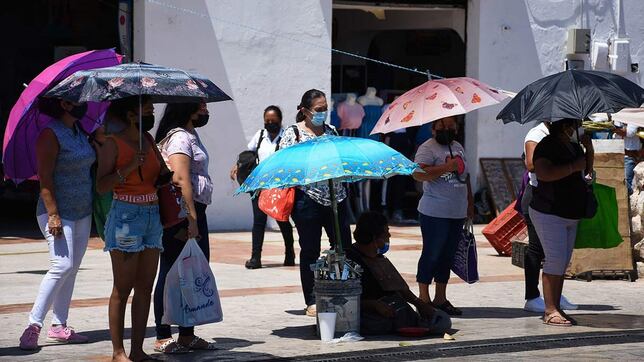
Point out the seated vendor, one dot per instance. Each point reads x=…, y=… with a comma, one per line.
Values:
x=385, y=294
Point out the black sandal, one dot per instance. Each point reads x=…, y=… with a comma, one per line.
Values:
x=448, y=308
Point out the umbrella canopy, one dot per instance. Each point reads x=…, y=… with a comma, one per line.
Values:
x=436, y=99
x=162, y=84
x=572, y=94
x=25, y=121
x=327, y=158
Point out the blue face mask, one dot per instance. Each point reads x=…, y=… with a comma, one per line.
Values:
x=384, y=249
x=318, y=118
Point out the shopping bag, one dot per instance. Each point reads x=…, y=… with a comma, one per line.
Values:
x=190, y=295
x=277, y=203
x=601, y=231
x=465, y=263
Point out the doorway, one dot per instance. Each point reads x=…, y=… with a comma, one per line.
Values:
x=37, y=34
x=422, y=35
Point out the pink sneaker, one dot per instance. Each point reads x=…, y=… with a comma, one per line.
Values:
x=64, y=334
x=29, y=338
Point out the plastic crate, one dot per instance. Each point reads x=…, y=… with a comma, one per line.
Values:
x=504, y=228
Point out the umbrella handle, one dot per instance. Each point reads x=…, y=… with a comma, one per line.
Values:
x=140, y=133
x=336, y=219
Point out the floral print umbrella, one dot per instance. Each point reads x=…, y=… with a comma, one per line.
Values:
x=162, y=84
x=436, y=99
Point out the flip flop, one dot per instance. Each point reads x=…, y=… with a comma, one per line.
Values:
x=569, y=318
x=170, y=346
x=210, y=346
x=547, y=319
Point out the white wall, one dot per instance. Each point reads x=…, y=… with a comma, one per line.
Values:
x=254, y=68
x=532, y=46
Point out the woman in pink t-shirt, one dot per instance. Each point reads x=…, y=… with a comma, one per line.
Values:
x=187, y=157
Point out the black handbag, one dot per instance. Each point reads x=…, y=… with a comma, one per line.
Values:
x=248, y=160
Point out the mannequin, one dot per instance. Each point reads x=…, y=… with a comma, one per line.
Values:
x=370, y=98
x=335, y=119
x=350, y=113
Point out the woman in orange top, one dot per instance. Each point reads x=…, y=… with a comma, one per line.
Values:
x=133, y=230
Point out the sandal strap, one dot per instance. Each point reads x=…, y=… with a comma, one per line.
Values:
x=195, y=340
x=177, y=347
x=562, y=319
x=165, y=344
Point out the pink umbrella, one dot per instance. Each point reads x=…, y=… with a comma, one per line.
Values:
x=25, y=121
x=436, y=99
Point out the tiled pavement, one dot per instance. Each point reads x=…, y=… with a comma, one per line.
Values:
x=263, y=317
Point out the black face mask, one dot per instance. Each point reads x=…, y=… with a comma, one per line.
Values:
x=147, y=122
x=202, y=120
x=78, y=112
x=445, y=136
x=272, y=127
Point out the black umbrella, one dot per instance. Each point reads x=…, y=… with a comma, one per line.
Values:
x=572, y=94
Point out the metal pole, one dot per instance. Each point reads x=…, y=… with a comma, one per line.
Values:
x=336, y=219
x=140, y=132
x=140, y=121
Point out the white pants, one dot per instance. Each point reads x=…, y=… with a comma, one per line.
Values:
x=65, y=255
x=557, y=236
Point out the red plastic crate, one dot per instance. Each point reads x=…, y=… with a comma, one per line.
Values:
x=500, y=231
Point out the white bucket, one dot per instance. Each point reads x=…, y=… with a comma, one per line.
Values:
x=327, y=325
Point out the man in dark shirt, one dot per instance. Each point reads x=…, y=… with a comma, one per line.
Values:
x=385, y=294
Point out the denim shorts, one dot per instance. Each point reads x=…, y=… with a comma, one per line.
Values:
x=132, y=227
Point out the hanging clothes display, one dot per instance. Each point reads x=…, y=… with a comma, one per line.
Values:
x=372, y=115
x=350, y=113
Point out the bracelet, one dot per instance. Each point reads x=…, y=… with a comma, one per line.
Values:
x=121, y=178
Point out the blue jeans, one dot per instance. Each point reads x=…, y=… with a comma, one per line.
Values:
x=440, y=241
x=629, y=169
x=133, y=227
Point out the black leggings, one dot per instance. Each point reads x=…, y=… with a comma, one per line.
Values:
x=259, y=226
x=172, y=247
x=310, y=218
x=534, y=255
x=532, y=262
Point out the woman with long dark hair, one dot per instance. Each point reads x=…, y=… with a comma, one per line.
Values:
x=187, y=157
x=133, y=228
x=266, y=142
x=312, y=209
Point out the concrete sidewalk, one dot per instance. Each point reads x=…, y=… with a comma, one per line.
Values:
x=264, y=318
